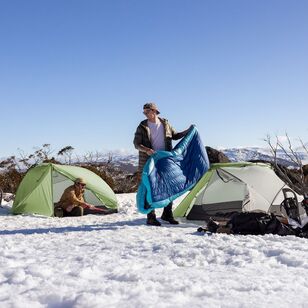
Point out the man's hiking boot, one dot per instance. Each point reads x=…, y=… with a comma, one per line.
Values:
x=151, y=220
x=170, y=219
x=168, y=215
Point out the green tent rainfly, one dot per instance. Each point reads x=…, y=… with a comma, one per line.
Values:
x=44, y=184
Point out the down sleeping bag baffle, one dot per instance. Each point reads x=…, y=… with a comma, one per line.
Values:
x=167, y=175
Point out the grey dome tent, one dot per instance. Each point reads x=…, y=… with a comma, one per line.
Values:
x=235, y=187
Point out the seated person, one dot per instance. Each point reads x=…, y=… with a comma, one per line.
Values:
x=72, y=200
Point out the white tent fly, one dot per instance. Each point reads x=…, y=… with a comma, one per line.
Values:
x=236, y=187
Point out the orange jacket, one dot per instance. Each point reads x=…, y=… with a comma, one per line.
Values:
x=71, y=196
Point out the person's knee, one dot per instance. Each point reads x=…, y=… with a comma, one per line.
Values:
x=77, y=211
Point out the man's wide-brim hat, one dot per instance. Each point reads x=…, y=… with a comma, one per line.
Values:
x=80, y=181
x=151, y=106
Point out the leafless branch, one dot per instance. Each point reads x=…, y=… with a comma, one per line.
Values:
x=298, y=182
x=303, y=145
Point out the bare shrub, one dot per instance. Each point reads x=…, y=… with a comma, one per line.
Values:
x=295, y=178
x=14, y=168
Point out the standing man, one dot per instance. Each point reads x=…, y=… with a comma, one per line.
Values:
x=154, y=134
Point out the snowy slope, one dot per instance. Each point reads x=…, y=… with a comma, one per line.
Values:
x=118, y=261
x=255, y=153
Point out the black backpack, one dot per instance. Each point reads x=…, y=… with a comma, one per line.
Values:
x=290, y=204
x=258, y=224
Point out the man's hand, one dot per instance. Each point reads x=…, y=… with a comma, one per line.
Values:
x=150, y=152
x=88, y=206
x=188, y=129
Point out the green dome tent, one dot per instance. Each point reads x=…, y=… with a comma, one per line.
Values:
x=44, y=184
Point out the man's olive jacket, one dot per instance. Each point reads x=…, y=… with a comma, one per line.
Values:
x=142, y=137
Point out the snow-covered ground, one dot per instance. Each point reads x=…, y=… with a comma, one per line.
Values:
x=118, y=261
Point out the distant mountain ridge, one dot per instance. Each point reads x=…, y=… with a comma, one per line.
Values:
x=255, y=153
x=129, y=162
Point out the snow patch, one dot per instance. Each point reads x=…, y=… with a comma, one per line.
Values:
x=117, y=261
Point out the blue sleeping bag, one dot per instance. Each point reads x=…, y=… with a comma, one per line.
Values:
x=167, y=175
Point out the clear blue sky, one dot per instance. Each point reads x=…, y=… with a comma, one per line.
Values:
x=78, y=72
